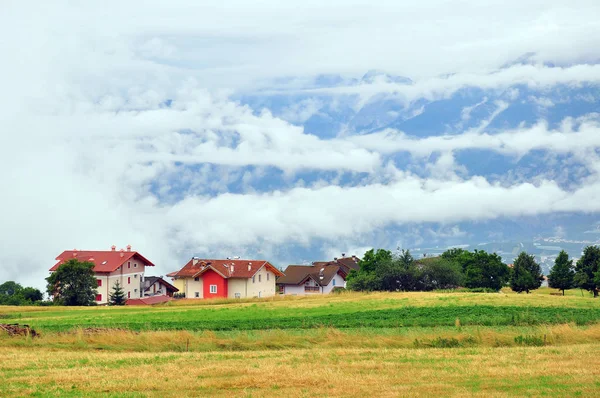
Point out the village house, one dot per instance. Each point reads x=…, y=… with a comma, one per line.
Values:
x=320, y=277
x=125, y=266
x=157, y=286
x=229, y=278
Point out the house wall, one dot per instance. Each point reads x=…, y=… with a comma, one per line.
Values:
x=263, y=284
x=190, y=287
x=211, y=278
x=295, y=290
x=132, y=287
x=237, y=285
x=339, y=282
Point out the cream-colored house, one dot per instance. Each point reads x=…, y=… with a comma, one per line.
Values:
x=125, y=266
x=204, y=278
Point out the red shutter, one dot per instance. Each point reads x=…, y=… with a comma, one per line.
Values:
x=129, y=280
x=129, y=264
x=98, y=297
x=99, y=282
x=128, y=294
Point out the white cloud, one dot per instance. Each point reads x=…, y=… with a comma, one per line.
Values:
x=87, y=137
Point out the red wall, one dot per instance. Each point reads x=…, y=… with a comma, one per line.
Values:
x=210, y=277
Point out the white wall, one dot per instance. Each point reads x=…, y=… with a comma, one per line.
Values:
x=263, y=285
x=339, y=282
x=135, y=270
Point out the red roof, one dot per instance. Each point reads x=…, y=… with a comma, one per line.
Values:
x=148, y=300
x=226, y=268
x=104, y=260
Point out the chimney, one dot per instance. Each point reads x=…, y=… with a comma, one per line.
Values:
x=113, y=248
x=335, y=259
x=249, y=266
x=74, y=254
x=232, y=268
x=194, y=260
x=343, y=255
x=128, y=248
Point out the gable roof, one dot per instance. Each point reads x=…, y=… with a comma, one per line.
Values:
x=320, y=272
x=104, y=260
x=226, y=268
x=151, y=280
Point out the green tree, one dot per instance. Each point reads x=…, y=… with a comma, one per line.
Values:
x=117, y=296
x=562, y=273
x=439, y=273
x=484, y=270
x=31, y=294
x=526, y=274
x=586, y=270
x=373, y=258
x=73, y=283
x=10, y=288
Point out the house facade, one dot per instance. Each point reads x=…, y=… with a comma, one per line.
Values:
x=157, y=286
x=318, y=278
x=111, y=266
x=206, y=278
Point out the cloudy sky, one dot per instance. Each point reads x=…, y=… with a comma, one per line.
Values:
x=125, y=123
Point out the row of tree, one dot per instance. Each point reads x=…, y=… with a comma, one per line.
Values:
x=13, y=293
x=382, y=270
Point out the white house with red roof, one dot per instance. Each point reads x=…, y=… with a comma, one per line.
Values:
x=125, y=266
x=229, y=278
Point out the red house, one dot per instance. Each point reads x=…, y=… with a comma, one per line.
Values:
x=204, y=278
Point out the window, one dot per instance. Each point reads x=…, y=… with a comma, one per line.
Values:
x=99, y=281
x=197, y=294
x=135, y=276
x=128, y=294
x=134, y=265
x=135, y=290
x=197, y=279
x=213, y=289
x=259, y=278
x=253, y=279
x=129, y=280
x=267, y=276
x=128, y=264
x=333, y=281
x=237, y=295
x=98, y=297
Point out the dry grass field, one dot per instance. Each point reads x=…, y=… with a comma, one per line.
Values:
x=80, y=353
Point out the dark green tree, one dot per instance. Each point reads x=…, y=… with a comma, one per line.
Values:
x=117, y=296
x=562, y=273
x=10, y=288
x=484, y=270
x=373, y=258
x=587, y=274
x=526, y=274
x=439, y=273
x=31, y=294
x=73, y=283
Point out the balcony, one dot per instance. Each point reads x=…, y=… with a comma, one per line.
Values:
x=312, y=289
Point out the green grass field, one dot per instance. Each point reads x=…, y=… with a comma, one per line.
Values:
x=398, y=343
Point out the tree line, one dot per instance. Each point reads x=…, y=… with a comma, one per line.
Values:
x=478, y=270
x=13, y=293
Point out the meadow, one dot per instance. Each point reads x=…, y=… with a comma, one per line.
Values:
x=350, y=344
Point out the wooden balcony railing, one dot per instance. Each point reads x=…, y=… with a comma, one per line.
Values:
x=311, y=289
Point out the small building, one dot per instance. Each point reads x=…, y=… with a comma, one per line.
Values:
x=209, y=278
x=318, y=278
x=125, y=266
x=157, y=286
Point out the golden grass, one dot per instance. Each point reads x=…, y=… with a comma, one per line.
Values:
x=320, y=338
x=353, y=372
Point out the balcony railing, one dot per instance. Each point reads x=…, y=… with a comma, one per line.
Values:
x=311, y=289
